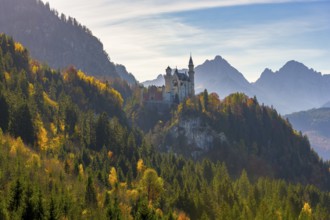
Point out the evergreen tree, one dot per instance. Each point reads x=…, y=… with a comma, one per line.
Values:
x=28, y=206
x=206, y=100
x=4, y=113
x=90, y=194
x=113, y=211
x=39, y=208
x=243, y=185
x=71, y=118
x=52, y=212
x=16, y=196
x=22, y=124
x=3, y=211
x=143, y=212
x=102, y=131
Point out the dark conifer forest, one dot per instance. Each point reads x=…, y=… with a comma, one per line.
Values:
x=74, y=147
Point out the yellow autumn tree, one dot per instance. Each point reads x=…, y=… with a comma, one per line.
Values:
x=19, y=47
x=81, y=171
x=183, y=216
x=306, y=212
x=110, y=154
x=42, y=138
x=152, y=185
x=140, y=166
x=113, y=179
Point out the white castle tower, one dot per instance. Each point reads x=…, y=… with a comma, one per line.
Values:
x=179, y=85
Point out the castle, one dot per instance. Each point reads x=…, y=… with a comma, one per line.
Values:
x=178, y=86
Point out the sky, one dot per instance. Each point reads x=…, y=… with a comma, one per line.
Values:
x=148, y=35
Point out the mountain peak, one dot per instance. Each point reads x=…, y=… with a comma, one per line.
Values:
x=219, y=76
x=159, y=81
x=267, y=71
x=218, y=57
x=293, y=66
x=265, y=76
x=293, y=62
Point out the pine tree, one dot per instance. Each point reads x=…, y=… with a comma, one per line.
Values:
x=3, y=211
x=28, y=206
x=102, y=131
x=71, y=118
x=39, y=208
x=90, y=194
x=52, y=210
x=143, y=212
x=16, y=196
x=4, y=113
x=206, y=100
x=22, y=125
x=113, y=212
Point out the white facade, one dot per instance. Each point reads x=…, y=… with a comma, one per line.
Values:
x=179, y=85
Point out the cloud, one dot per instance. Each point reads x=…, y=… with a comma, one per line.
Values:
x=147, y=46
x=114, y=11
x=148, y=35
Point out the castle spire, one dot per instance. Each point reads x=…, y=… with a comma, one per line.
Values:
x=191, y=63
x=191, y=74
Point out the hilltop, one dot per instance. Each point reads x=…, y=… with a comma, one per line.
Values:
x=58, y=40
x=243, y=134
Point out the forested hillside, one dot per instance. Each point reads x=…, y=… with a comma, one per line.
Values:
x=68, y=151
x=57, y=39
x=242, y=133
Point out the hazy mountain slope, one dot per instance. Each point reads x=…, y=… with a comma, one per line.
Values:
x=326, y=105
x=294, y=87
x=129, y=77
x=315, y=123
x=54, y=39
x=159, y=81
x=219, y=76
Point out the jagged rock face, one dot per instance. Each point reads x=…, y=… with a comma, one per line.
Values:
x=195, y=135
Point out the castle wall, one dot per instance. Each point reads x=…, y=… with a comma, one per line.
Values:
x=177, y=84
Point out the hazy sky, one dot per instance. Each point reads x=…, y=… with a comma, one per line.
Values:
x=148, y=35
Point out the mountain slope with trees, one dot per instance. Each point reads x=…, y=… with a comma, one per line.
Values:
x=314, y=123
x=67, y=151
x=243, y=134
x=58, y=40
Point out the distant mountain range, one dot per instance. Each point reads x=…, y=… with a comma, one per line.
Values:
x=326, y=105
x=219, y=76
x=314, y=123
x=56, y=39
x=159, y=81
x=293, y=88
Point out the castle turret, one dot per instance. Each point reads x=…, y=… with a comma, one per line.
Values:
x=191, y=73
x=167, y=78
